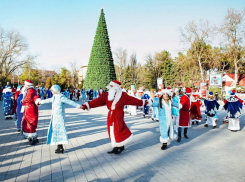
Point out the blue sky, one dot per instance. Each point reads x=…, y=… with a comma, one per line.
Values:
x=62, y=31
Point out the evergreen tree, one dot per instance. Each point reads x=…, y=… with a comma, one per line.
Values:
x=101, y=69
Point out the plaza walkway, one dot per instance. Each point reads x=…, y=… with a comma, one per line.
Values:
x=208, y=155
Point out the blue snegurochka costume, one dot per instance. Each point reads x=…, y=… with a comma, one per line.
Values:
x=57, y=131
x=155, y=114
x=233, y=107
x=145, y=108
x=8, y=102
x=165, y=121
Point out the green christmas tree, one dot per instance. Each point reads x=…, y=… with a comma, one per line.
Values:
x=101, y=69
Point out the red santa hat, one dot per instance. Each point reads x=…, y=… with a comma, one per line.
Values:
x=115, y=83
x=28, y=82
x=187, y=90
x=233, y=91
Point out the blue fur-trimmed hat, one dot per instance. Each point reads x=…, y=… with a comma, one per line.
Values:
x=56, y=88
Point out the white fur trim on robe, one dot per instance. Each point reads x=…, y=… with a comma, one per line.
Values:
x=113, y=140
x=116, y=99
x=38, y=101
x=30, y=135
x=87, y=106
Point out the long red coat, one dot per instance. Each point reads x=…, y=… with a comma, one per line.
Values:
x=30, y=117
x=16, y=95
x=116, y=117
x=195, y=109
x=184, y=113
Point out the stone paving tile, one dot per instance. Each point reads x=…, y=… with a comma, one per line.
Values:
x=203, y=157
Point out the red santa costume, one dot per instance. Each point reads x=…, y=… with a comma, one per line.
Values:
x=30, y=115
x=184, y=113
x=115, y=100
x=196, y=103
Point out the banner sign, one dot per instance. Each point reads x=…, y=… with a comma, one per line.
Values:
x=203, y=89
x=215, y=80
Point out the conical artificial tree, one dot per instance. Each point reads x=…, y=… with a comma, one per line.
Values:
x=101, y=68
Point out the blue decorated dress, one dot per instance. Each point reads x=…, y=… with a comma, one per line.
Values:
x=8, y=103
x=233, y=107
x=175, y=111
x=57, y=131
x=165, y=121
x=95, y=94
x=145, y=108
x=18, y=111
x=155, y=114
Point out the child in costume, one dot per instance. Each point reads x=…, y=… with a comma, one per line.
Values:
x=211, y=108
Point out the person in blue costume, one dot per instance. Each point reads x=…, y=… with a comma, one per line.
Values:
x=175, y=109
x=155, y=114
x=8, y=102
x=49, y=94
x=233, y=107
x=18, y=97
x=90, y=94
x=42, y=92
x=145, y=96
x=84, y=98
x=67, y=93
x=212, y=106
x=166, y=126
x=57, y=131
x=95, y=94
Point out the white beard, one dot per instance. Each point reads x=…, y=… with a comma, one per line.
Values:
x=111, y=93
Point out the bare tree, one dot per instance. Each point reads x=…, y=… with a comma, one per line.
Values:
x=12, y=53
x=197, y=36
x=120, y=57
x=233, y=30
x=74, y=73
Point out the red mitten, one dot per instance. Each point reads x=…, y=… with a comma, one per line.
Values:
x=84, y=107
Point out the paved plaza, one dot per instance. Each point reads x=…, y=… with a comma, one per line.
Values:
x=208, y=155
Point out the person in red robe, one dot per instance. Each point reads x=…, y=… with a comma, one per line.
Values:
x=30, y=112
x=184, y=113
x=115, y=100
x=196, y=103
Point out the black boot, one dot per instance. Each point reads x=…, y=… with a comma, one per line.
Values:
x=164, y=146
x=33, y=141
x=59, y=149
x=197, y=122
x=120, y=149
x=193, y=123
x=115, y=149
